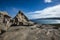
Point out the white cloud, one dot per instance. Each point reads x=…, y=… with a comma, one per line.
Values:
x=46, y=13
x=47, y=1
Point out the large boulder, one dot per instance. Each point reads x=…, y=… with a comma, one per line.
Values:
x=4, y=21
x=21, y=19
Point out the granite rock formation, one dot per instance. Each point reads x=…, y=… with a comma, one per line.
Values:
x=21, y=19
x=4, y=21
x=23, y=29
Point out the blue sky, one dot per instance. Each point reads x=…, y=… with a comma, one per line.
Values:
x=32, y=8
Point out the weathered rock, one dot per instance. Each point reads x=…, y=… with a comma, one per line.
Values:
x=21, y=19
x=4, y=21
x=26, y=33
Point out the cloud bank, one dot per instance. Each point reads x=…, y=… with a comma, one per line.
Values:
x=48, y=12
x=47, y=1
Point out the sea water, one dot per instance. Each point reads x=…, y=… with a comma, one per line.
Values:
x=47, y=21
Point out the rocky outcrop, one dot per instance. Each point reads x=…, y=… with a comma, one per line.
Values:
x=21, y=19
x=27, y=31
x=4, y=21
x=31, y=33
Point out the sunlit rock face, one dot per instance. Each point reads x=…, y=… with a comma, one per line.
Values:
x=20, y=19
x=27, y=31
x=31, y=33
x=4, y=21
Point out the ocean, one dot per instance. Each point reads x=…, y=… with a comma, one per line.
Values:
x=47, y=21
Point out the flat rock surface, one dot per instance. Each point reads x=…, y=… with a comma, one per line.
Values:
x=31, y=33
